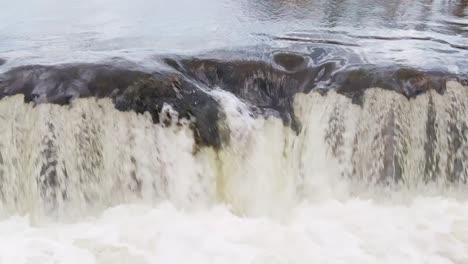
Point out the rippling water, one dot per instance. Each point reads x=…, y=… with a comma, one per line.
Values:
x=417, y=32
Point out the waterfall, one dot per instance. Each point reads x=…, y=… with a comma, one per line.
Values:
x=68, y=160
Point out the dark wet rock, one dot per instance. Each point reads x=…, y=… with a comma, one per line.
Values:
x=260, y=83
x=129, y=88
x=60, y=84
x=151, y=92
x=406, y=81
x=267, y=82
x=290, y=61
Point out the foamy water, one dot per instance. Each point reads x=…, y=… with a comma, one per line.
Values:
x=86, y=183
x=425, y=230
x=380, y=182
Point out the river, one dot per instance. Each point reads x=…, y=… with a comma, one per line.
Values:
x=282, y=131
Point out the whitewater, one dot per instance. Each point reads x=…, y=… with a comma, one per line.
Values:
x=86, y=183
x=425, y=230
x=233, y=132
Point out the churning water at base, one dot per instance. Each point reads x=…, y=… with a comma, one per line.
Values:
x=380, y=180
x=425, y=230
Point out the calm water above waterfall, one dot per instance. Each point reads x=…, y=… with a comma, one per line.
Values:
x=425, y=33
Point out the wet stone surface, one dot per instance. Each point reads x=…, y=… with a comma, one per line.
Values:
x=268, y=83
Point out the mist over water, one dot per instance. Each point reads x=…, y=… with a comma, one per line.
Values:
x=233, y=131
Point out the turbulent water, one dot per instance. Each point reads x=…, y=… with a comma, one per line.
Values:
x=317, y=131
x=425, y=230
x=268, y=195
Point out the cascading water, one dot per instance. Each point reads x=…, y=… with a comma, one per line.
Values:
x=90, y=155
x=233, y=131
x=73, y=162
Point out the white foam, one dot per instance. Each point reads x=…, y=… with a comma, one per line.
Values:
x=131, y=191
x=426, y=230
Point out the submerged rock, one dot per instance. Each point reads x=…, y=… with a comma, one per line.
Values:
x=151, y=92
x=409, y=82
x=267, y=83
x=130, y=89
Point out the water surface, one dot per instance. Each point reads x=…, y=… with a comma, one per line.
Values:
x=424, y=33
x=233, y=131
